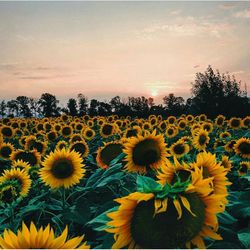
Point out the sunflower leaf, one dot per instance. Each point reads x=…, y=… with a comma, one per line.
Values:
x=147, y=185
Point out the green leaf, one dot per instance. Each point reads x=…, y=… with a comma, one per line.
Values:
x=226, y=219
x=244, y=237
x=147, y=185
x=116, y=160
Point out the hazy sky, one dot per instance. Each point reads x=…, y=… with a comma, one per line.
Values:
x=103, y=49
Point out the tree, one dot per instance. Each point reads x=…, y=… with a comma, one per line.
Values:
x=23, y=103
x=139, y=106
x=34, y=106
x=213, y=93
x=48, y=104
x=174, y=105
x=72, y=107
x=13, y=108
x=93, y=107
x=82, y=104
x=3, y=107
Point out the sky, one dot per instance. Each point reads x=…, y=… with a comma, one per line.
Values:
x=103, y=49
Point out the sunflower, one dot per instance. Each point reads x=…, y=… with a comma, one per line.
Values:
x=211, y=168
x=42, y=238
x=146, y=126
x=200, y=139
x=225, y=135
x=61, y=144
x=207, y=126
x=6, y=149
x=21, y=165
x=29, y=141
x=226, y=163
x=189, y=118
x=107, y=129
x=244, y=168
x=7, y=131
x=202, y=117
x=143, y=152
x=39, y=146
x=62, y=168
x=52, y=135
x=162, y=126
x=182, y=124
x=219, y=121
x=32, y=157
x=75, y=137
x=242, y=147
x=144, y=221
x=81, y=147
x=171, y=131
x=229, y=147
x=246, y=122
x=66, y=131
x=171, y=119
x=107, y=153
x=179, y=149
x=22, y=178
x=88, y=133
x=235, y=123
x=134, y=131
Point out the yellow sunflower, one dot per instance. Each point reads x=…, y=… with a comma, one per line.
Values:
x=21, y=165
x=62, y=168
x=225, y=135
x=66, y=131
x=61, y=144
x=162, y=126
x=107, y=153
x=31, y=156
x=219, y=121
x=179, y=149
x=75, y=137
x=107, y=129
x=144, y=221
x=171, y=131
x=226, y=163
x=80, y=147
x=23, y=178
x=207, y=126
x=246, y=122
x=88, y=133
x=52, y=135
x=235, y=123
x=7, y=131
x=144, y=152
x=182, y=124
x=171, y=119
x=229, y=147
x=42, y=238
x=6, y=149
x=211, y=168
x=242, y=147
x=200, y=139
x=134, y=131
x=244, y=168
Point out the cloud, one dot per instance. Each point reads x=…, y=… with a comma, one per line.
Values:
x=226, y=6
x=242, y=14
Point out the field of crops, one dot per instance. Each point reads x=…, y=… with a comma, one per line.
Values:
x=110, y=182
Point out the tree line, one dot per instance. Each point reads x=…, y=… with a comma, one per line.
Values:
x=212, y=93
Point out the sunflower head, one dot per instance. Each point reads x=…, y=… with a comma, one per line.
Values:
x=246, y=122
x=32, y=156
x=66, y=131
x=244, y=168
x=80, y=147
x=7, y=131
x=134, y=131
x=169, y=216
x=88, y=133
x=219, y=121
x=21, y=165
x=179, y=149
x=229, y=147
x=18, y=178
x=171, y=131
x=200, y=139
x=62, y=168
x=235, y=123
x=41, y=238
x=107, y=153
x=226, y=163
x=6, y=149
x=145, y=152
x=242, y=148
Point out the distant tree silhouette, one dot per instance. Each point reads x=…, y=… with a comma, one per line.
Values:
x=174, y=105
x=13, y=108
x=93, y=108
x=139, y=106
x=213, y=93
x=23, y=103
x=35, y=107
x=3, y=108
x=72, y=107
x=48, y=103
x=82, y=104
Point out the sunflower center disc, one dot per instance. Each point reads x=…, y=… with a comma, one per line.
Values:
x=179, y=149
x=146, y=152
x=164, y=230
x=110, y=152
x=107, y=129
x=202, y=139
x=7, y=131
x=244, y=148
x=5, y=151
x=62, y=168
x=80, y=148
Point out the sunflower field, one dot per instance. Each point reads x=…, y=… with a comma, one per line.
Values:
x=122, y=182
